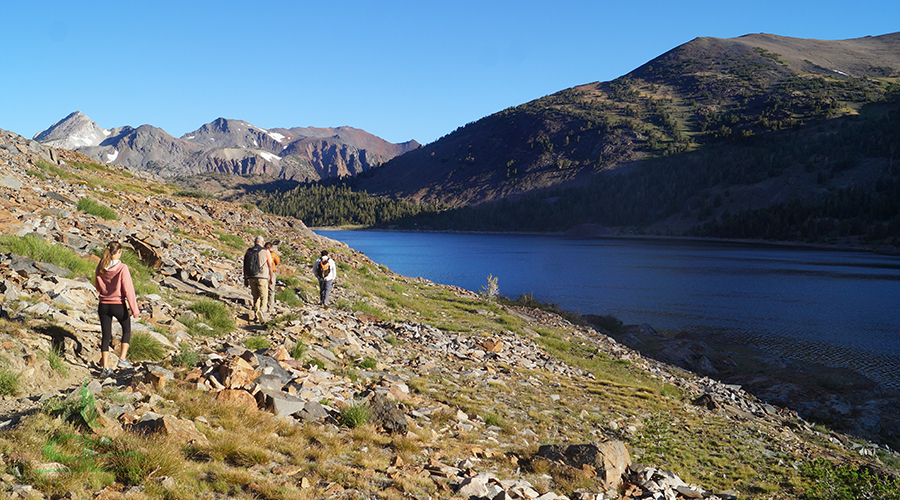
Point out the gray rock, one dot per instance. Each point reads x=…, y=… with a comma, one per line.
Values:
x=386, y=415
x=10, y=182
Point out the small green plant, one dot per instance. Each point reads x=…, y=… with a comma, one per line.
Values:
x=491, y=289
x=656, y=437
x=9, y=382
x=298, y=350
x=256, y=343
x=52, y=169
x=492, y=419
x=193, y=193
x=391, y=340
x=355, y=415
x=92, y=207
x=368, y=364
x=186, y=358
x=145, y=347
x=58, y=363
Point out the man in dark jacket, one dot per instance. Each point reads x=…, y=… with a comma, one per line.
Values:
x=257, y=275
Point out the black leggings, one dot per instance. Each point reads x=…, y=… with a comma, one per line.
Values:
x=107, y=312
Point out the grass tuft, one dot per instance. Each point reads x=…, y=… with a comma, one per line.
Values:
x=256, y=343
x=9, y=382
x=145, y=347
x=355, y=415
x=98, y=209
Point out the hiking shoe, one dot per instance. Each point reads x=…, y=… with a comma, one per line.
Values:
x=106, y=373
x=123, y=363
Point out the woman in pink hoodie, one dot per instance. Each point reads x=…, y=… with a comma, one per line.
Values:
x=113, y=282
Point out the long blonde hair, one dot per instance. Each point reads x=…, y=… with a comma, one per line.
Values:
x=111, y=249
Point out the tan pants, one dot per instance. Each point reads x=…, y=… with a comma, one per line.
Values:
x=259, y=290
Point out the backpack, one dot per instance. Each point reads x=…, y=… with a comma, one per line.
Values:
x=324, y=268
x=252, y=264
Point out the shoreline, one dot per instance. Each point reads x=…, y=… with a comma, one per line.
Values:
x=843, y=397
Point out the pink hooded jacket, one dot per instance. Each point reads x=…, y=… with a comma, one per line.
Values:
x=115, y=287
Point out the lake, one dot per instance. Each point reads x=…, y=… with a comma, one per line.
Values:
x=839, y=308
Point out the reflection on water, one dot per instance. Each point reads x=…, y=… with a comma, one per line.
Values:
x=835, y=308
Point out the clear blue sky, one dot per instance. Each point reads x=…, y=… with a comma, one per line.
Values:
x=399, y=69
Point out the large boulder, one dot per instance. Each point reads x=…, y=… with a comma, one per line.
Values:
x=608, y=459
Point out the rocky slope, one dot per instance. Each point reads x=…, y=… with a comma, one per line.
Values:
x=469, y=398
x=230, y=146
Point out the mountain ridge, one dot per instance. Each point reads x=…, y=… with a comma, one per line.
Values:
x=228, y=146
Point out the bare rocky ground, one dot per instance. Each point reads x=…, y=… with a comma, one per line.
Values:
x=559, y=417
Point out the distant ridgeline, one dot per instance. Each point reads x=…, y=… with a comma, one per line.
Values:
x=821, y=172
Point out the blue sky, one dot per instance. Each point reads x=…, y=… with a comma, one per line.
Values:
x=400, y=70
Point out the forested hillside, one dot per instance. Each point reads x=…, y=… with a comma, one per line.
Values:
x=837, y=180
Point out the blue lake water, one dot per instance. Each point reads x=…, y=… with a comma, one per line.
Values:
x=839, y=308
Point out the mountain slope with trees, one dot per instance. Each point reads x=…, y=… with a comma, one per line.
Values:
x=697, y=141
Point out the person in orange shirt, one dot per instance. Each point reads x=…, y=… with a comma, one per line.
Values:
x=274, y=261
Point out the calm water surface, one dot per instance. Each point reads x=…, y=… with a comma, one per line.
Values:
x=838, y=308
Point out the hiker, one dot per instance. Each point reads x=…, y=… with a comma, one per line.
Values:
x=112, y=279
x=325, y=270
x=258, y=275
x=274, y=260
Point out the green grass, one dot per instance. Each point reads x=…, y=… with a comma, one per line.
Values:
x=212, y=313
x=92, y=207
x=36, y=173
x=9, y=382
x=145, y=348
x=257, y=342
x=58, y=363
x=288, y=297
x=298, y=350
x=231, y=240
x=355, y=415
x=367, y=364
x=52, y=169
x=186, y=358
x=38, y=249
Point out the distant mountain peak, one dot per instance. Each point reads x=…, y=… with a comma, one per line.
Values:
x=72, y=132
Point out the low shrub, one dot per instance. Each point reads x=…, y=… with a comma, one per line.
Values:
x=288, y=297
x=298, y=351
x=231, y=240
